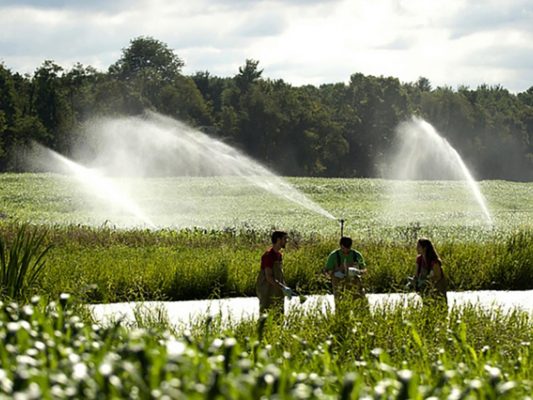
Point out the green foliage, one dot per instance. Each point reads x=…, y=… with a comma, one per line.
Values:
x=55, y=350
x=336, y=129
x=105, y=264
x=21, y=262
x=149, y=59
x=248, y=74
x=514, y=266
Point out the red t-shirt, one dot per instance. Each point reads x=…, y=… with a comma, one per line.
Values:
x=269, y=258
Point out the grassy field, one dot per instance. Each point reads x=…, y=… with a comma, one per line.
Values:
x=219, y=254
x=207, y=241
x=372, y=208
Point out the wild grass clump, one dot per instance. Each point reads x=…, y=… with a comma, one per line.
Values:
x=513, y=266
x=22, y=260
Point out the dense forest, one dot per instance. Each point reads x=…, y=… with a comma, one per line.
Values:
x=336, y=129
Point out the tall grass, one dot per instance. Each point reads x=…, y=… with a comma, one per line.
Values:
x=21, y=261
x=105, y=265
x=51, y=351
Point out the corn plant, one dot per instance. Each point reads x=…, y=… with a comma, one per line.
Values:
x=22, y=261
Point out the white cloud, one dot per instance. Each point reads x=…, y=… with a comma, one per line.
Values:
x=450, y=42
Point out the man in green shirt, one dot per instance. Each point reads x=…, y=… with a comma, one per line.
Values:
x=346, y=268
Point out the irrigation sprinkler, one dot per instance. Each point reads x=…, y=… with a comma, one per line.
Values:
x=342, y=226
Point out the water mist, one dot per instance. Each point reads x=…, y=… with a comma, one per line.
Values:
x=101, y=191
x=420, y=153
x=145, y=150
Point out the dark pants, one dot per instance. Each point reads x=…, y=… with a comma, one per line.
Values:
x=271, y=304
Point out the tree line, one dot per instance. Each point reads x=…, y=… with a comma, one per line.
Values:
x=336, y=129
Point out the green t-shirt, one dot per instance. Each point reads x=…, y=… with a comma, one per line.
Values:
x=353, y=257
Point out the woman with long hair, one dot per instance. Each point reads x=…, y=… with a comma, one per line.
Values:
x=430, y=280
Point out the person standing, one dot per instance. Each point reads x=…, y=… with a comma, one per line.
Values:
x=270, y=285
x=430, y=281
x=345, y=268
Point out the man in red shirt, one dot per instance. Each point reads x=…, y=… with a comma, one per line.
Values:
x=270, y=285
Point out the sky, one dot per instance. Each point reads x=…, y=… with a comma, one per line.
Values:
x=451, y=42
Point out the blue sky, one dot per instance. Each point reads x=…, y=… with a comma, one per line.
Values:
x=302, y=42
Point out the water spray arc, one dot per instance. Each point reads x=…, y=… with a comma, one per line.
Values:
x=159, y=145
x=422, y=154
x=98, y=186
x=155, y=147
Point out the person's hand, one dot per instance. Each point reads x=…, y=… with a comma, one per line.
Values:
x=410, y=284
x=287, y=291
x=354, y=272
x=339, y=274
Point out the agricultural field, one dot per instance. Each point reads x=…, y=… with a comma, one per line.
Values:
x=208, y=234
x=202, y=238
x=371, y=207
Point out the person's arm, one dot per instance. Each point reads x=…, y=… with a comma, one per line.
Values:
x=417, y=274
x=436, y=273
x=360, y=261
x=330, y=265
x=417, y=267
x=270, y=278
x=287, y=291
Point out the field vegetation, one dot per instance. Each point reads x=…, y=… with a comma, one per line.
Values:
x=219, y=255
x=49, y=351
x=52, y=347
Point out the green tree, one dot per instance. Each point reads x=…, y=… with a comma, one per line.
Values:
x=423, y=84
x=50, y=105
x=7, y=96
x=116, y=97
x=146, y=67
x=7, y=110
x=147, y=59
x=152, y=74
x=211, y=88
x=183, y=100
x=46, y=96
x=17, y=126
x=78, y=84
x=249, y=74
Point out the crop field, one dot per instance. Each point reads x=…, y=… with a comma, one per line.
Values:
x=209, y=234
x=203, y=238
x=372, y=208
